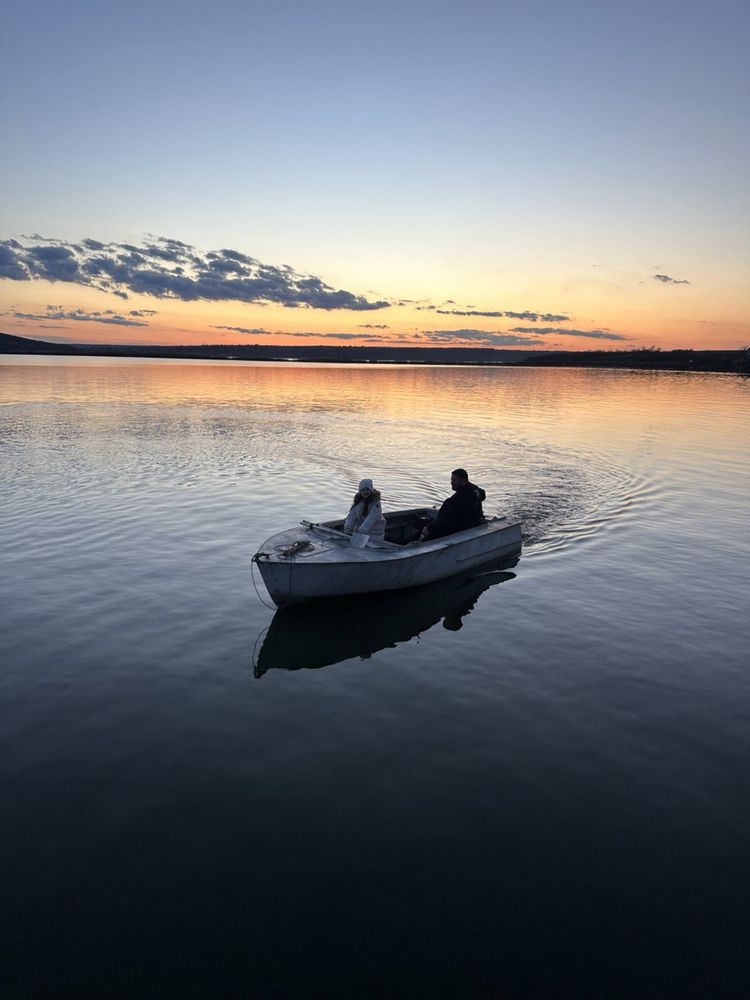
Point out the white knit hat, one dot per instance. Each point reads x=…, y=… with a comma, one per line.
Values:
x=366, y=484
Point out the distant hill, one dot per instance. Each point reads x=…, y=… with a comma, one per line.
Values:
x=10, y=344
x=22, y=345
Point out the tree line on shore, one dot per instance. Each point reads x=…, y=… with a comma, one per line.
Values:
x=654, y=358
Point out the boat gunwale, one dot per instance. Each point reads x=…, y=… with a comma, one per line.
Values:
x=394, y=553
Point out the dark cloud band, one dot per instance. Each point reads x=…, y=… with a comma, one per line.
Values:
x=167, y=268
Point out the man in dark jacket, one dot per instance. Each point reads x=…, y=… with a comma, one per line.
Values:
x=462, y=510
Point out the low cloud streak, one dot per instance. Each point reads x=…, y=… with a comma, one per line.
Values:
x=478, y=338
x=666, y=279
x=107, y=316
x=259, y=331
x=592, y=334
x=244, y=329
x=527, y=314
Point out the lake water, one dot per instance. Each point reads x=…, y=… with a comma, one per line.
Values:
x=533, y=784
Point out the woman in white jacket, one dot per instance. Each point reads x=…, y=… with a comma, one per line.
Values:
x=366, y=514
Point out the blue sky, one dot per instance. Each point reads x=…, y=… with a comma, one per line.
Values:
x=549, y=155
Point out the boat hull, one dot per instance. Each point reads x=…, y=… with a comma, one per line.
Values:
x=338, y=570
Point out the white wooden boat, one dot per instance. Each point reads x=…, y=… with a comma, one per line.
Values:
x=313, y=561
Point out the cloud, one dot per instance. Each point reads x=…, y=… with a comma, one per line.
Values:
x=466, y=312
x=168, y=268
x=372, y=326
x=533, y=317
x=341, y=336
x=303, y=333
x=243, y=329
x=55, y=263
x=481, y=338
x=10, y=267
x=446, y=338
x=665, y=279
x=593, y=334
x=108, y=316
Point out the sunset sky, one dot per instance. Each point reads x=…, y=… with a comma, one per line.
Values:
x=548, y=174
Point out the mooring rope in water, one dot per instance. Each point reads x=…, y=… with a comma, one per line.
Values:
x=253, y=561
x=271, y=607
x=262, y=635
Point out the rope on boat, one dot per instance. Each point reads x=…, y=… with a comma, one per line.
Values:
x=302, y=547
x=253, y=561
x=289, y=551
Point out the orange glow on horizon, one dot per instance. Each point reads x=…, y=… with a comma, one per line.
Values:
x=663, y=317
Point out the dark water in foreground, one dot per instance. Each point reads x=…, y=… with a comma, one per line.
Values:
x=532, y=784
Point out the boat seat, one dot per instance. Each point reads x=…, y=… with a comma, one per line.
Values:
x=403, y=530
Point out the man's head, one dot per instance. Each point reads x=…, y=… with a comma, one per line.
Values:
x=459, y=478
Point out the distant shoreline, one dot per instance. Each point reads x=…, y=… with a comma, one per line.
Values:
x=646, y=359
x=649, y=359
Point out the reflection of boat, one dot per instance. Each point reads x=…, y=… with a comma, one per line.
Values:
x=316, y=635
x=319, y=560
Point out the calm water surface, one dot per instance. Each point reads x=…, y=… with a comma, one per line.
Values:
x=532, y=784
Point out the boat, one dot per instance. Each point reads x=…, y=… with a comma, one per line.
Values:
x=314, y=560
x=313, y=635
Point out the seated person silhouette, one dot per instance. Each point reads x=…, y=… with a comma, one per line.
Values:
x=460, y=511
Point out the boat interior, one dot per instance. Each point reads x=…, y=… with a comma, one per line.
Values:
x=401, y=526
